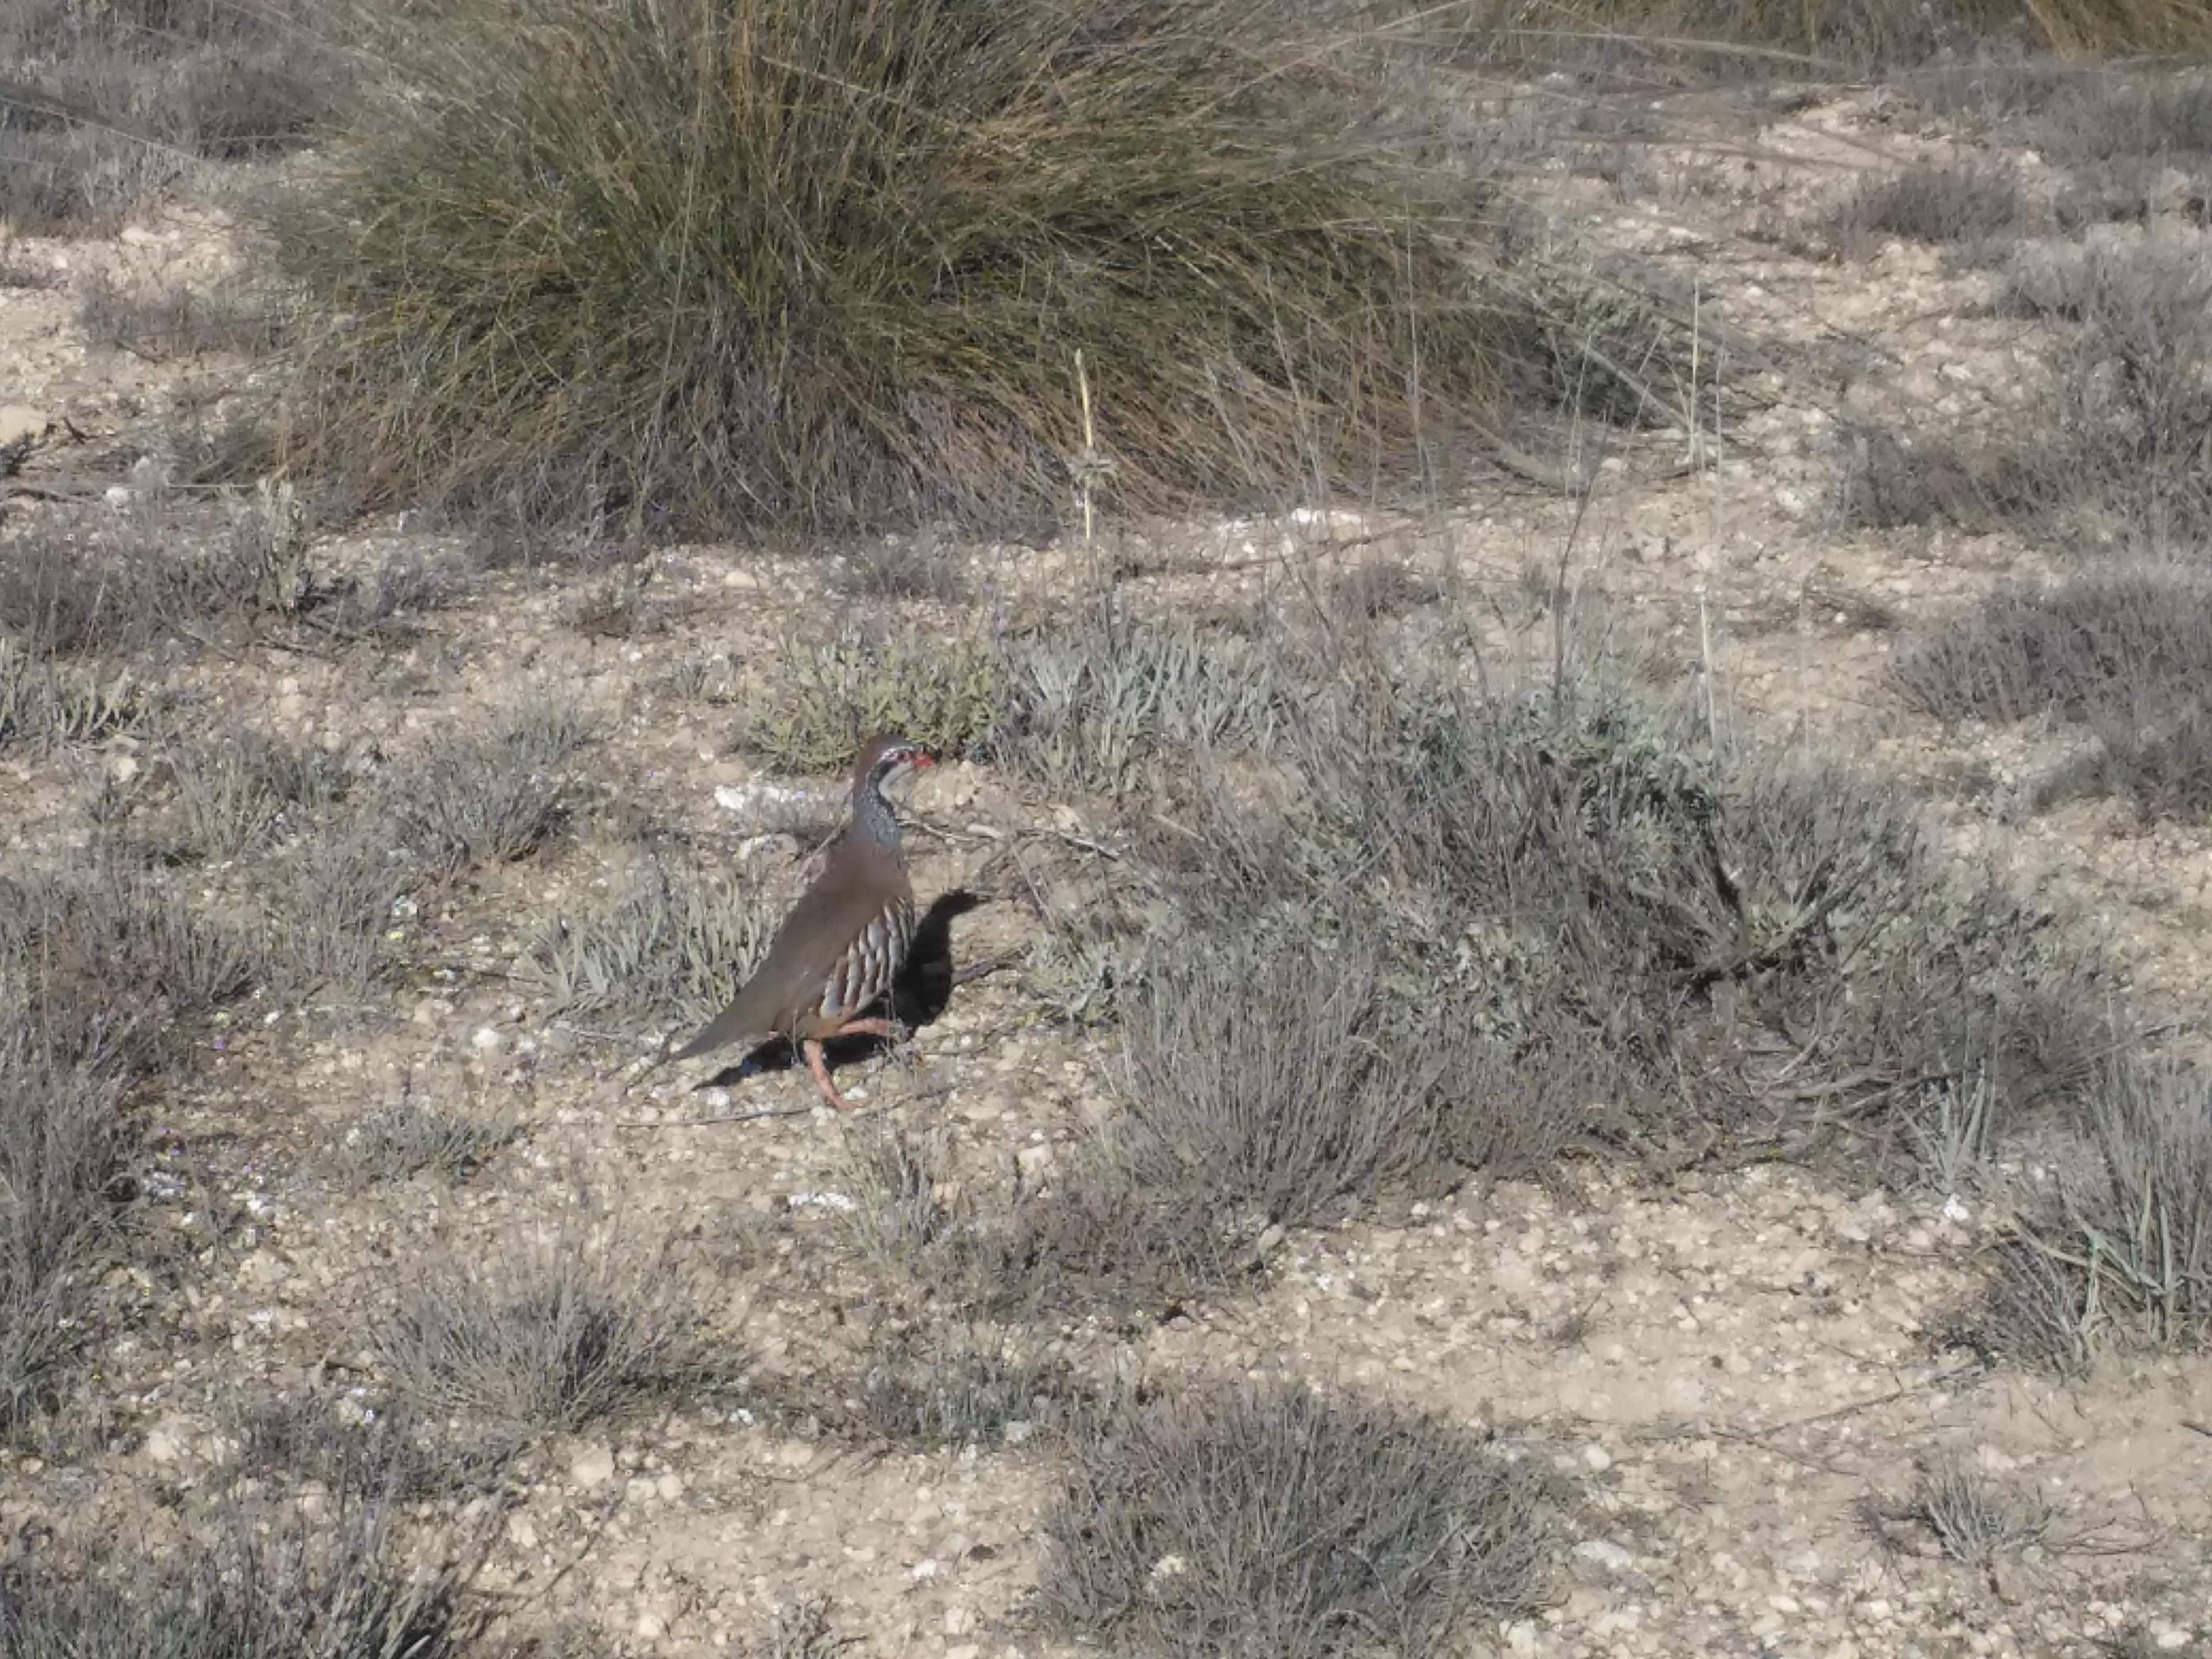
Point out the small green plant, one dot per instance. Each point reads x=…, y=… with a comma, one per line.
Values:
x=1600, y=339
x=933, y=1389
x=333, y=899
x=950, y=694
x=237, y=793
x=1096, y=703
x=268, y=541
x=63, y=1141
x=246, y=1578
x=2135, y=376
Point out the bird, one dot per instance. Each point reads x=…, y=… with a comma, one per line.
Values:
x=844, y=941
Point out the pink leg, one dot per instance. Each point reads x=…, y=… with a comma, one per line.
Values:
x=812, y=1049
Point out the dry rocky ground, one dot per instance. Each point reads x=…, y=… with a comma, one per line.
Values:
x=1740, y=1375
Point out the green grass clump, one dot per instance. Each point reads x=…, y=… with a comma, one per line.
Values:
x=740, y=265
x=949, y=694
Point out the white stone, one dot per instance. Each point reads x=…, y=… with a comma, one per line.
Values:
x=593, y=1466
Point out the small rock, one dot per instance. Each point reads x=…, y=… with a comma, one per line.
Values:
x=21, y=425
x=1603, y=1552
x=594, y=1466
x=959, y=1620
x=651, y=1626
x=167, y=1440
x=1596, y=1459
x=485, y=1041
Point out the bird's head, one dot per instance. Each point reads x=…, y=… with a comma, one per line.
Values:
x=887, y=759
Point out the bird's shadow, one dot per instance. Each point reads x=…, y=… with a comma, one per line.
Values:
x=918, y=997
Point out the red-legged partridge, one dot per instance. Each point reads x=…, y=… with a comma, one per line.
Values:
x=844, y=941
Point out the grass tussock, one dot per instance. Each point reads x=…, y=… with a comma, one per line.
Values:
x=740, y=265
x=931, y=1389
x=2100, y=645
x=43, y=705
x=100, y=582
x=545, y=1333
x=1098, y=703
x=174, y=322
x=64, y=1145
x=1974, y=1517
x=1238, y=1521
x=1581, y=875
x=2120, y=1254
x=2135, y=377
x=238, y=794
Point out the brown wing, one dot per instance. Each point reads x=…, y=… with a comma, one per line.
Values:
x=830, y=917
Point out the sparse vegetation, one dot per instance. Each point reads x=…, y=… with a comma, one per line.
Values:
x=45, y=705
x=1341, y=913
x=100, y=973
x=1891, y=479
x=411, y=1138
x=2136, y=377
x=103, y=105
x=2099, y=645
x=2123, y=653
x=1972, y=1515
x=62, y=1143
x=495, y=799
x=1951, y=202
x=238, y=793
x=174, y=321
x=2122, y=1252
x=931, y=1389
x=2122, y=465
x=1096, y=704
x=675, y=947
x=550, y=1333
x=1279, y=1522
